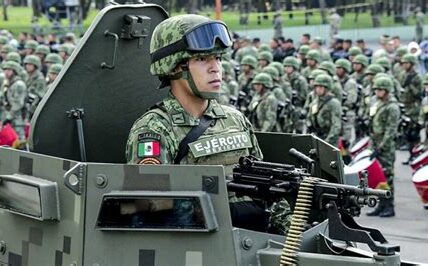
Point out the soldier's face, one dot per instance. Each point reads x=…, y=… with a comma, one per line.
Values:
x=406, y=66
x=289, y=70
x=30, y=68
x=357, y=67
x=29, y=51
x=380, y=94
x=52, y=76
x=340, y=72
x=320, y=90
x=9, y=73
x=258, y=87
x=263, y=63
x=426, y=88
x=206, y=72
x=311, y=62
x=3, y=56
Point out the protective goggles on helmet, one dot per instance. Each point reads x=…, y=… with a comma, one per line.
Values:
x=199, y=39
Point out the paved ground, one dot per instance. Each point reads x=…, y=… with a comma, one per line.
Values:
x=409, y=228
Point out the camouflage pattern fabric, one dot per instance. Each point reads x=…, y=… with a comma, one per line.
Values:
x=412, y=92
x=325, y=118
x=12, y=100
x=384, y=120
x=280, y=219
x=263, y=111
x=350, y=104
x=299, y=86
x=230, y=89
x=36, y=86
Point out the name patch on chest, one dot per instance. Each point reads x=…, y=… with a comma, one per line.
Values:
x=221, y=143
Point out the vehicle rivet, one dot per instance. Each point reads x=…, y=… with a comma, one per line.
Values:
x=247, y=243
x=101, y=181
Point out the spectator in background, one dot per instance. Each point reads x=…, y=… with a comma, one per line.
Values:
x=305, y=39
x=256, y=42
x=366, y=51
x=347, y=44
x=338, y=51
x=288, y=48
x=396, y=42
x=424, y=55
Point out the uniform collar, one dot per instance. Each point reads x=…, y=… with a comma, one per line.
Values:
x=181, y=118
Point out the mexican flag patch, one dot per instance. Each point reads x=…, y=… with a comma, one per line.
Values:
x=150, y=148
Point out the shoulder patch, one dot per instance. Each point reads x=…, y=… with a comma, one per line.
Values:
x=150, y=160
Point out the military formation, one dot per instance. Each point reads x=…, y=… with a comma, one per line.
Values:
x=29, y=65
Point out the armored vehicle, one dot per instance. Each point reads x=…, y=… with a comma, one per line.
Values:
x=61, y=203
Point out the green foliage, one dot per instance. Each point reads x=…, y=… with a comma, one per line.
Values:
x=20, y=17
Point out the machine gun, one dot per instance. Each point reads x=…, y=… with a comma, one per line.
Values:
x=309, y=195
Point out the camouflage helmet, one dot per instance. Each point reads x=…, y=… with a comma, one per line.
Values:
x=7, y=48
x=316, y=72
x=272, y=71
x=42, y=49
x=31, y=44
x=278, y=67
x=249, y=60
x=425, y=79
x=265, y=55
x=361, y=59
x=264, y=48
x=14, y=56
x=172, y=32
x=55, y=69
x=401, y=51
x=291, y=61
x=384, y=62
x=34, y=60
x=67, y=48
x=12, y=65
x=374, y=69
x=324, y=80
x=314, y=55
x=409, y=58
x=328, y=66
x=345, y=64
x=383, y=83
x=3, y=39
x=354, y=51
x=227, y=67
x=304, y=49
x=264, y=79
x=53, y=58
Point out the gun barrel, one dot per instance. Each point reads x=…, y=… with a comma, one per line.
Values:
x=299, y=155
x=364, y=191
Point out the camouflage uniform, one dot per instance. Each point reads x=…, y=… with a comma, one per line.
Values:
x=12, y=99
x=397, y=70
x=299, y=86
x=156, y=136
x=229, y=87
x=359, y=76
x=350, y=87
x=325, y=113
x=316, y=57
x=263, y=107
x=36, y=83
x=420, y=17
x=384, y=119
x=423, y=113
x=330, y=68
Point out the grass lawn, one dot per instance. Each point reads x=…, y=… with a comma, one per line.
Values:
x=20, y=17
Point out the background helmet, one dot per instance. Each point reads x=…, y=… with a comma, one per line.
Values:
x=265, y=55
x=328, y=66
x=354, y=51
x=408, y=58
x=384, y=62
x=11, y=65
x=374, y=69
x=383, y=83
x=314, y=55
x=34, y=60
x=14, y=56
x=55, y=68
x=361, y=59
x=272, y=71
x=324, y=80
x=42, y=49
x=401, y=51
x=31, y=44
x=53, y=58
x=304, y=49
x=345, y=64
x=264, y=79
x=278, y=67
x=291, y=61
x=249, y=60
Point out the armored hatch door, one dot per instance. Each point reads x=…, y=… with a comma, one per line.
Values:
x=108, y=76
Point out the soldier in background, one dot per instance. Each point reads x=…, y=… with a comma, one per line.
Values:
x=36, y=83
x=263, y=106
x=229, y=86
x=299, y=86
x=384, y=119
x=313, y=58
x=411, y=98
x=420, y=17
x=53, y=72
x=13, y=93
x=325, y=112
x=350, y=87
x=423, y=113
x=359, y=65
